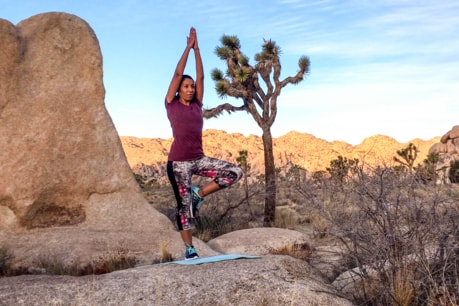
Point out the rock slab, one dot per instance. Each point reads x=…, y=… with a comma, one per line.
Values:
x=270, y=280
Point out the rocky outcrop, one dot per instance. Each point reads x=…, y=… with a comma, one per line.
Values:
x=66, y=188
x=448, y=152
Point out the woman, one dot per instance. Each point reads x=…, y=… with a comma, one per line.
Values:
x=186, y=157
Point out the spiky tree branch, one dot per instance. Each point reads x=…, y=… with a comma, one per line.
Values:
x=217, y=111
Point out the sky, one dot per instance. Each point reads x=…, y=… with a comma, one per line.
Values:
x=378, y=67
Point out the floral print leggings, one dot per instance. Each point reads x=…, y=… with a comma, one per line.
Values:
x=180, y=173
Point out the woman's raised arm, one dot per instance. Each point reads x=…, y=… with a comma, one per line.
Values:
x=199, y=85
x=180, y=68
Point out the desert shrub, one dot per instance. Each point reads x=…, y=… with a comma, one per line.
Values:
x=54, y=266
x=145, y=183
x=118, y=260
x=341, y=167
x=454, y=172
x=211, y=226
x=399, y=236
x=286, y=218
x=138, y=179
x=427, y=171
x=320, y=226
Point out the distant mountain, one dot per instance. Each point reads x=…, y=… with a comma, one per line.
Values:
x=301, y=149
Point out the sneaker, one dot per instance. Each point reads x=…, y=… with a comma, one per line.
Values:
x=190, y=253
x=196, y=202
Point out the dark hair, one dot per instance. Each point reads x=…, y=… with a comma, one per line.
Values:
x=185, y=76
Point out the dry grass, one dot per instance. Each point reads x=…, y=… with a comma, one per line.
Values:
x=119, y=259
x=301, y=251
x=403, y=290
x=5, y=261
x=320, y=226
x=112, y=261
x=166, y=255
x=286, y=218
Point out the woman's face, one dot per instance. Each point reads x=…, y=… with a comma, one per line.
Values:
x=187, y=90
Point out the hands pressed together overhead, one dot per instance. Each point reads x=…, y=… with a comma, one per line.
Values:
x=192, y=39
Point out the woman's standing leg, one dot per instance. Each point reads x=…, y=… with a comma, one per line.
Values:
x=180, y=174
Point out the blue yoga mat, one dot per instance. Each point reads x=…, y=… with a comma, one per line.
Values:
x=216, y=258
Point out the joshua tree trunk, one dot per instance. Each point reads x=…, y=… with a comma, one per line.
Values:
x=270, y=179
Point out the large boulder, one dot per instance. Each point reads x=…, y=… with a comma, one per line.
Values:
x=254, y=241
x=66, y=188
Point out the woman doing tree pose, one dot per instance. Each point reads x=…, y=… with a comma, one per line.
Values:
x=186, y=157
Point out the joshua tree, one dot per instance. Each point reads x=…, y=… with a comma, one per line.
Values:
x=407, y=156
x=242, y=81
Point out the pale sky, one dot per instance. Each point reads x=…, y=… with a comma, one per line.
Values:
x=388, y=67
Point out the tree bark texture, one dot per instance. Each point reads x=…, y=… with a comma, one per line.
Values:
x=270, y=179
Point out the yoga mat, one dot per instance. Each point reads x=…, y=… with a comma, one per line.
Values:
x=209, y=259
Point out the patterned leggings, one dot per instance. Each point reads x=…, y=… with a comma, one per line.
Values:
x=180, y=173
